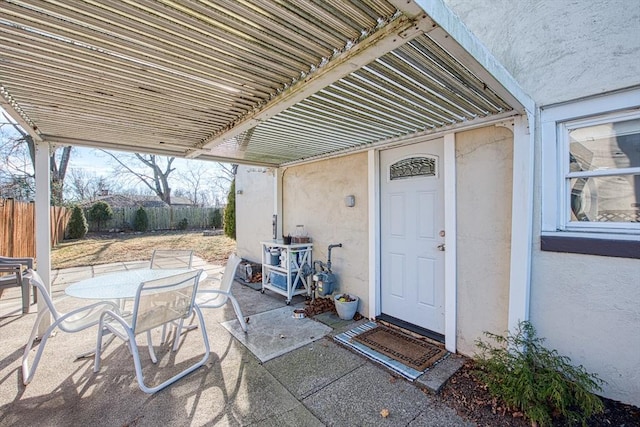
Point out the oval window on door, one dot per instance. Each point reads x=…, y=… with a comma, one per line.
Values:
x=411, y=167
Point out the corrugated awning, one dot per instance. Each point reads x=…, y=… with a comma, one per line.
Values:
x=264, y=82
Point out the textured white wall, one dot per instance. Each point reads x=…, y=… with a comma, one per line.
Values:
x=559, y=50
x=254, y=209
x=313, y=195
x=484, y=166
x=588, y=307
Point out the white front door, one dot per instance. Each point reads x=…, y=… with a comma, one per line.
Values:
x=412, y=234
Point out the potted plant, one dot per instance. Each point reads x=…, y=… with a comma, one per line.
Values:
x=346, y=305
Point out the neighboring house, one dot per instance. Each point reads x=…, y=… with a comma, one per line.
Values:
x=180, y=201
x=128, y=201
x=562, y=249
x=125, y=201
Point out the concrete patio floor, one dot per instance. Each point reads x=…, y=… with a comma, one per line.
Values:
x=319, y=383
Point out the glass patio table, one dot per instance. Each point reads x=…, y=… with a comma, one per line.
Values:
x=120, y=284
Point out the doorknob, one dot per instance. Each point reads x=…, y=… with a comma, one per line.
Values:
x=441, y=247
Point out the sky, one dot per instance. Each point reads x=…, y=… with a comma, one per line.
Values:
x=99, y=163
x=91, y=159
x=95, y=162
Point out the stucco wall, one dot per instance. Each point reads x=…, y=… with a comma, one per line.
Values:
x=559, y=50
x=484, y=165
x=254, y=210
x=313, y=195
x=587, y=307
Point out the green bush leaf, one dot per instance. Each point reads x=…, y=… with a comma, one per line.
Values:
x=519, y=370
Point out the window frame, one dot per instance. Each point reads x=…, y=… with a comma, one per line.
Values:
x=555, y=121
x=564, y=142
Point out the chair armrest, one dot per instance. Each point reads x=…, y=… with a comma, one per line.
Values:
x=14, y=278
x=22, y=261
x=87, y=316
x=216, y=277
x=10, y=268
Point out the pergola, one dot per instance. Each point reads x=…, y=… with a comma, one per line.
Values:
x=261, y=82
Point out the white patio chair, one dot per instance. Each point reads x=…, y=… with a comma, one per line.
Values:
x=15, y=268
x=75, y=321
x=216, y=298
x=157, y=303
x=170, y=258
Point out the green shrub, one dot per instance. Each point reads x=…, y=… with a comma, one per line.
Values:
x=141, y=220
x=542, y=384
x=77, y=227
x=183, y=224
x=100, y=213
x=216, y=218
x=230, y=212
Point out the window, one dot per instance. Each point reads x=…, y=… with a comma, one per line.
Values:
x=602, y=172
x=413, y=167
x=591, y=171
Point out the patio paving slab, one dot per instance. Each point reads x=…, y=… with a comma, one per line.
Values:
x=358, y=397
x=324, y=358
x=67, y=276
x=318, y=383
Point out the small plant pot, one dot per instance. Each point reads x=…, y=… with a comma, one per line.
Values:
x=346, y=310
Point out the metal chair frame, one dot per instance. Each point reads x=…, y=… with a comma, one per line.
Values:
x=74, y=321
x=16, y=267
x=172, y=258
x=220, y=298
x=157, y=303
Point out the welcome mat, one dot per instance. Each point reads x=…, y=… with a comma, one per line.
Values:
x=404, y=348
x=403, y=354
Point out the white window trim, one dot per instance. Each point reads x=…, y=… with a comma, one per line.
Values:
x=552, y=120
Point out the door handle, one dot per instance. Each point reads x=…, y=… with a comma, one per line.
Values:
x=441, y=247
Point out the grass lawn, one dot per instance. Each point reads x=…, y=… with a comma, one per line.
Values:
x=105, y=248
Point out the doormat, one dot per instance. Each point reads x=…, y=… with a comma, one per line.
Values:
x=403, y=354
x=413, y=352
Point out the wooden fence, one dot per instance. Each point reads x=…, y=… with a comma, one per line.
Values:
x=161, y=218
x=18, y=227
x=17, y=223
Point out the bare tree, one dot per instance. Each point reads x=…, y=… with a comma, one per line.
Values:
x=205, y=183
x=16, y=173
x=58, y=160
x=153, y=173
x=201, y=182
x=220, y=184
x=58, y=171
x=227, y=173
x=85, y=185
x=193, y=179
